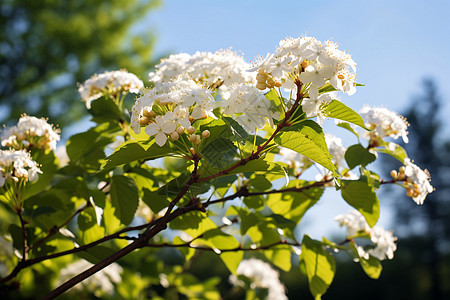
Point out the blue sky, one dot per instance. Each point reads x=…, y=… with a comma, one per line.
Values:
x=395, y=44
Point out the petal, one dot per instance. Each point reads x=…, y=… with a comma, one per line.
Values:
x=169, y=127
x=151, y=129
x=160, y=138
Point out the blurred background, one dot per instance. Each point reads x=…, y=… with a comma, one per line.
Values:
x=401, y=48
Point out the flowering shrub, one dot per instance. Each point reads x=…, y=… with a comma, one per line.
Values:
x=215, y=155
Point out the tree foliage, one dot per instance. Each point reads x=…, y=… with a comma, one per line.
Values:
x=215, y=158
x=47, y=47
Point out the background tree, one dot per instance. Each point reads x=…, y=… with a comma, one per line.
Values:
x=428, y=228
x=48, y=46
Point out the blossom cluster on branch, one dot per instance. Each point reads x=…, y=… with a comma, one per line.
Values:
x=241, y=157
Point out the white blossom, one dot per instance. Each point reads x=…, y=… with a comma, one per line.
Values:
x=419, y=179
x=17, y=164
x=109, y=83
x=222, y=67
x=261, y=276
x=384, y=123
x=30, y=132
x=383, y=240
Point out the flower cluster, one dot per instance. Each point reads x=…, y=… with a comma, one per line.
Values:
x=170, y=108
x=312, y=63
x=109, y=83
x=30, y=132
x=222, y=68
x=102, y=281
x=261, y=276
x=383, y=123
x=383, y=241
x=16, y=165
x=416, y=181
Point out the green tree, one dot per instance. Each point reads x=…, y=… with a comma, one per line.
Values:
x=47, y=46
x=428, y=228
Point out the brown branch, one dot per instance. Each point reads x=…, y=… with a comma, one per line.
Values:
x=24, y=234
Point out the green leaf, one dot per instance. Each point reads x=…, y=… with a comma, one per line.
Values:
x=294, y=205
x=357, y=155
x=217, y=239
x=399, y=153
x=372, y=266
x=238, y=133
x=280, y=256
x=134, y=150
x=187, y=252
x=363, y=198
x=220, y=152
x=272, y=95
x=347, y=126
x=259, y=165
x=104, y=110
x=307, y=138
x=320, y=266
x=232, y=260
x=338, y=110
x=86, y=149
x=124, y=198
x=193, y=223
x=327, y=88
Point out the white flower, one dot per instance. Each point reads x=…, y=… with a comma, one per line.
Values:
x=251, y=104
x=163, y=125
x=355, y=223
x=383, y=240
x=109, y=83
x=419, y=180
x=17, y=164
x=314, y=105
x=385, y=243
x=102, y=281
x=261, y=276
x=335, y=148
x=384, y=123
x=316, y=74
x=30, y=132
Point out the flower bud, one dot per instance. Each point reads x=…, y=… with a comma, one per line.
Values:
x=410, y=193
x=402, y=169
x=144, y=121
x=261, y=77
x=191, y=129
x=191, y=119
x=180, y=130
x=261, y=85
x=149, y=114
x=394, y=174
x=206, y=134
x=174, y=135
x=193, y=138
x=197, y=139
x=278, y=84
